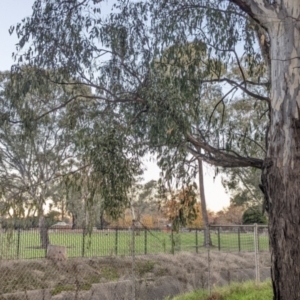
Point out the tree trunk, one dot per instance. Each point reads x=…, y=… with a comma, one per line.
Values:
x=44, y=236
x=63, y=210
x=281, y=173
x=101, y=220
x=74, y=220
x=207, y=239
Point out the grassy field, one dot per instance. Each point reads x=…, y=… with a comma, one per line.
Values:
x=26, y=244
x=238, y=291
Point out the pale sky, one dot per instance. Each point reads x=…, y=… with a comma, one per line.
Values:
x=11, y=12
x=215, y=194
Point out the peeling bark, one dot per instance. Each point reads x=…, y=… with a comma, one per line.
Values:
x=281, y=169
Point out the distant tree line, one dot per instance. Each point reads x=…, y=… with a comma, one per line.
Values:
x=30, y=222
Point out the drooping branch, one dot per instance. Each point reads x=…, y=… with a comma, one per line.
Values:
x=183, y=7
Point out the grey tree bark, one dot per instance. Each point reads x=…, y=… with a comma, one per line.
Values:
x=44, y=235
x=281, y=170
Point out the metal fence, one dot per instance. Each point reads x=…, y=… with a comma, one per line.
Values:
x=244, y=251
x=25, y=244
x=129, y=264
x=240, y=238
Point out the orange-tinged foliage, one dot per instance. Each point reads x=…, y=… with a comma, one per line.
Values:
x=182, y=209
x=198, y=222
x=147, y=221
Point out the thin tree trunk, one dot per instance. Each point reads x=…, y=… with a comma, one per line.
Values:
x=74, y=220
x=101, y=220
x=207, y=239
x=63, y=208
x=44, y=236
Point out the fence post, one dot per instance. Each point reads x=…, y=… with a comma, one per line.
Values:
x=18, y=243
x=133, y=258
x=258, y=243
x=47, y=243
x=172, y=242
x=207, y=246
x=83, y=242
x=116, y=242
x=196, y=240
x=219, y=240
x=145, y=241
x=239, y=239
x=257, y=273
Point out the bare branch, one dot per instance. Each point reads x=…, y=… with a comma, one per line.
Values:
x=240, y=68
x=236, y=84
x=220, y=101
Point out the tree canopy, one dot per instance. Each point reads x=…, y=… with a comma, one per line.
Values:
x=114, y=56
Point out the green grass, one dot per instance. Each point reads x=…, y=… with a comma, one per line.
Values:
x=237, y=291
x=26, y=244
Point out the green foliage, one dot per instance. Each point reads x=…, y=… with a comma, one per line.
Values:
x=236, y=291
x=254, y=215
x=146, y=80
x=34, y=151
x=54, y=139
x=243, y=185
x=146, y=199
x=52, y=218
x=22, y=223
x=158, y=81
x=30, y=222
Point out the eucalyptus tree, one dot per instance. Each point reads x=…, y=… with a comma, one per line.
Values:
x=243, y=186
x=107, y=155
x=145, y=199
x=80, y=190
x=168, y=73
x=75, y=36
x=200, y=116
x=33, y=154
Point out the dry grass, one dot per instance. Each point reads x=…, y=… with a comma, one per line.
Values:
x=190, y=270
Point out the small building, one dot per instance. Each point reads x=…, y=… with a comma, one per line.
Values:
x=61, y=225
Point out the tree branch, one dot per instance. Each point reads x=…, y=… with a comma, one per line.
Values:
x=236, y=84
x=258, y=10
x=219, y=157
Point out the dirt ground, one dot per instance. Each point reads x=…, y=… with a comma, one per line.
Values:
x=157, y=276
